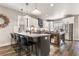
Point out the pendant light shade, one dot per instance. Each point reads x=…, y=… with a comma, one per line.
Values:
x=36, y=11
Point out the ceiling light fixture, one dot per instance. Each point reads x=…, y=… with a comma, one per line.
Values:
x=36, y=11
x=27, y=7
x=51, y=5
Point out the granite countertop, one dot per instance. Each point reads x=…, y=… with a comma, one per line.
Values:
x=33, y=34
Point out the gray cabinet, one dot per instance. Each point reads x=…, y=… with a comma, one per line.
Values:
x=44, y=46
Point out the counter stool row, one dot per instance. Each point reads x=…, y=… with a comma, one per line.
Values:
x=23, y=43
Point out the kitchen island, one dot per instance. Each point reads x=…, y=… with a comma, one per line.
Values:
x=43, y=42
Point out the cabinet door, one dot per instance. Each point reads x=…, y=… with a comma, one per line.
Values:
x=44, y=46
x=70, y=31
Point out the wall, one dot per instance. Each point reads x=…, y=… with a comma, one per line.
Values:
x=5, y=38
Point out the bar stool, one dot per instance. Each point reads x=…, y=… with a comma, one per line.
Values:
x=13, y=39
x=24, y=44
x=15, y=45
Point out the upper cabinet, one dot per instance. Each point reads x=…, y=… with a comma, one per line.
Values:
x=69, y=20
x=27, y=21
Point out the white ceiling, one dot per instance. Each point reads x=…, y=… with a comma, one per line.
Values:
x=48, y=12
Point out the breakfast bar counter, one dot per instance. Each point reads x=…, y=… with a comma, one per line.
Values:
x=43, y=42
x=33, y=34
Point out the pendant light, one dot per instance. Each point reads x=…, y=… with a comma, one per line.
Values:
x=36, y=11
x=26, y=16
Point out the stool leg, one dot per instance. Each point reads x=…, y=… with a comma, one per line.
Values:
x=32, y=48
x=11, y=41
x=36, y=50
x=28, y=50
x=19, y=52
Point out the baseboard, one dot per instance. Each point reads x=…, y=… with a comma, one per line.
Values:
x=72, y=40
x=76, y=40
x=6, y=44
x=68, y=40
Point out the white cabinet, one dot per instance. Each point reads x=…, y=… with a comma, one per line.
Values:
x=25, y=22
x=69, y=20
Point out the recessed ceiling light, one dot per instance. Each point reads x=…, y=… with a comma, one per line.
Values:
x=51, y=5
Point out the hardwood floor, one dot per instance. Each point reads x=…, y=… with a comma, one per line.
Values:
x=70, y=48
x=7, y=51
